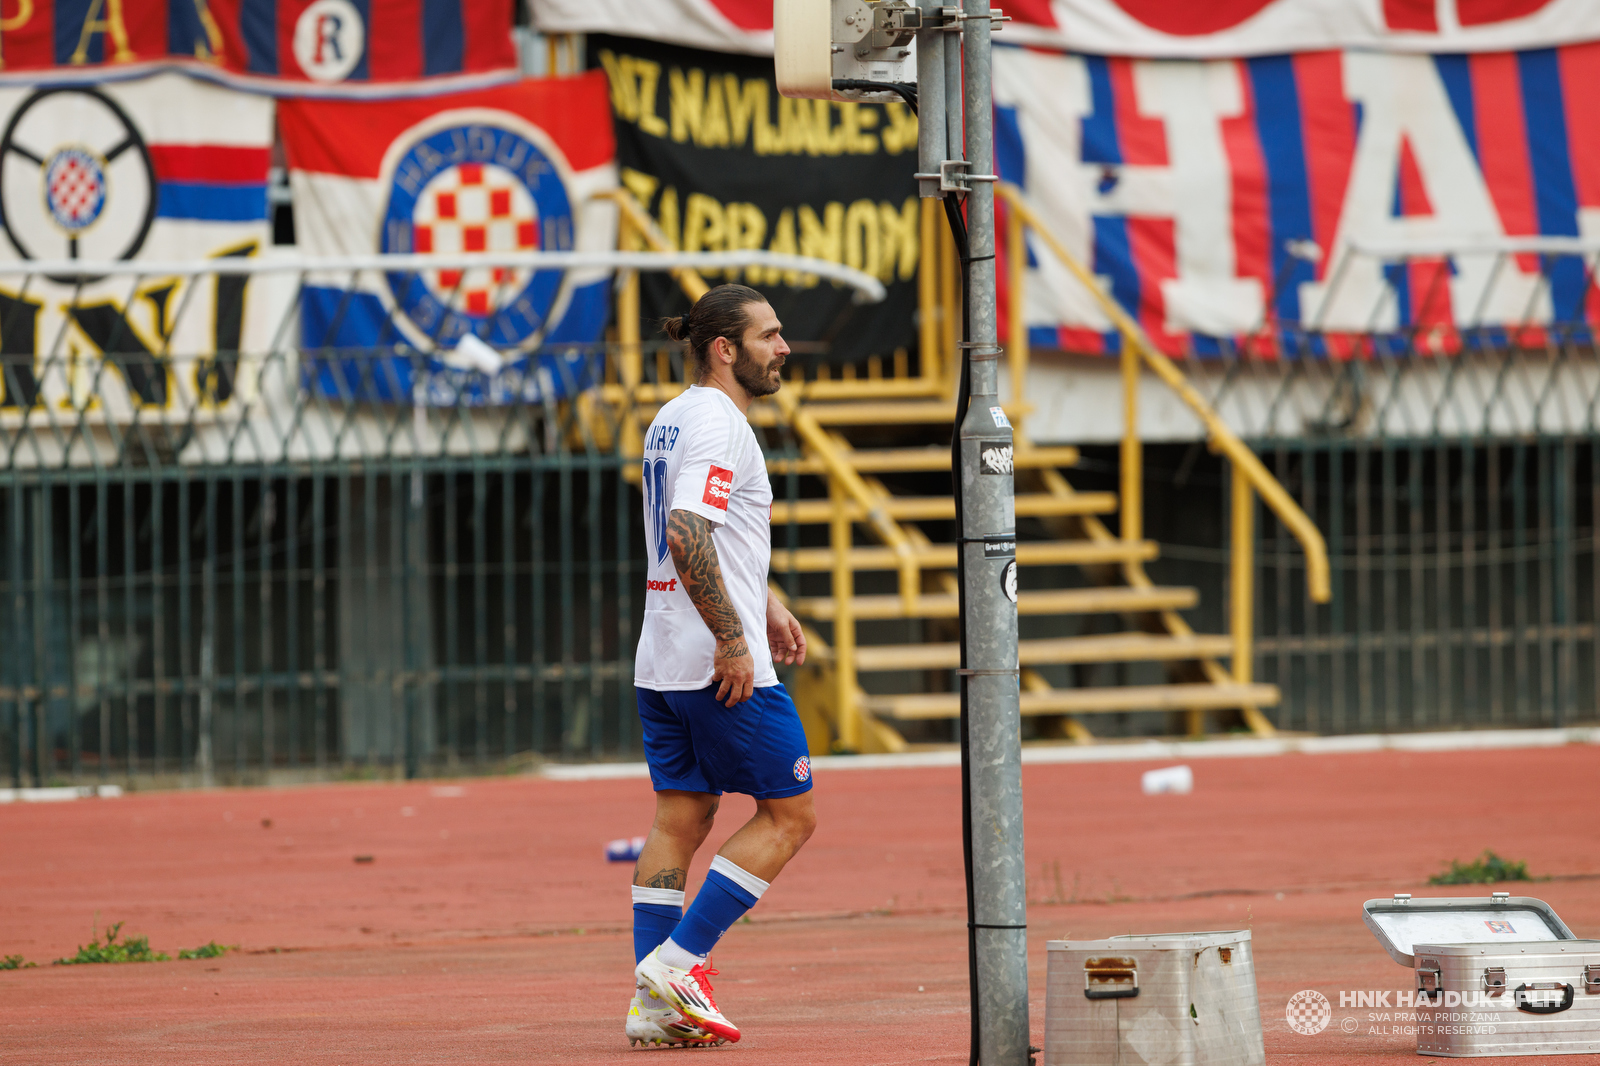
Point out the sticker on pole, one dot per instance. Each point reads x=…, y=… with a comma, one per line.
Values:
x=994, y=457
x=1000, y=547
x=1008, y=581
x=1000, y=419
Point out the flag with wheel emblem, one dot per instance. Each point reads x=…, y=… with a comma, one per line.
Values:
x=157, y=168
x=503, y=170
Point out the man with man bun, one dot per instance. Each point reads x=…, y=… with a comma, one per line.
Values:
x=715, y=719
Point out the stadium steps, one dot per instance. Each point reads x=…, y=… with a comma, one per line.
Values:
x=1096, y=648
x=895, y=444
x=1176, y=697
x=1112, y=600
x=919, y=460
x=943, y=556
x=931, y=508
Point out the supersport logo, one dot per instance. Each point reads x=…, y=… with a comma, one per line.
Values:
x=719, y=486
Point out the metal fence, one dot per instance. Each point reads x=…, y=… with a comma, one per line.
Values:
x=1464, y=585
x=231, y=548
x=220, y=621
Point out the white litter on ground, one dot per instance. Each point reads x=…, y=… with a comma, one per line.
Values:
x=1174, y=779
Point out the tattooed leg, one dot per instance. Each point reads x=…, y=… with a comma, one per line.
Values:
x=683, y=819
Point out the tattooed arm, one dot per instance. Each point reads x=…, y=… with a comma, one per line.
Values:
x=695, y=556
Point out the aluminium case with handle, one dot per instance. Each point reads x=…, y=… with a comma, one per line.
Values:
x=1174, y=999
x=1501, y=975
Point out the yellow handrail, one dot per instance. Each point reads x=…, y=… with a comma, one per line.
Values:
x=1221, y=438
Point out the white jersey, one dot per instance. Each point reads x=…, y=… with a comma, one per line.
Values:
x=701, y=456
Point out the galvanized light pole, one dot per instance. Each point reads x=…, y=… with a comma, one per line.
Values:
x=849, y=49
x=953, y=68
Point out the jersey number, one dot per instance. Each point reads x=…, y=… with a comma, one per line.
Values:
x=655, y=504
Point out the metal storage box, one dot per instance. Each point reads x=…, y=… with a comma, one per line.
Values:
x=1184, y=999
x=1496, y=976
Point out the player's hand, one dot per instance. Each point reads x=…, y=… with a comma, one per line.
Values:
x=784, y=635
x=733, y=672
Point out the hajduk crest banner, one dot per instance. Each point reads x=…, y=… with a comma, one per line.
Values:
x=508, y=169
x=161, y=168
x=1220, y=200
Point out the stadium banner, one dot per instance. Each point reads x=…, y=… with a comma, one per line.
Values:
x=157, y=169
x=1219, y=199
x=723, y=163
x=507, y=169
x=1169, y=29
x=740, y=26
x=276, y=46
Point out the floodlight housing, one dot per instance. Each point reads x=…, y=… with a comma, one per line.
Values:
x=818, y=43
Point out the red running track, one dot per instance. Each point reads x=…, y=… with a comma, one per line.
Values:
x=489, y=929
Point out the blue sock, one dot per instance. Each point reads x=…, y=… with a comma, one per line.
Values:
x=652, y=924
x=725, y=897
x=656, y=912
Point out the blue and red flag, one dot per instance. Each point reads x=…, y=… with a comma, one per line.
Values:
x=322, y=44
x=1223, y=199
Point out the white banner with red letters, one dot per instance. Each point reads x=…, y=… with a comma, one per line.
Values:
x=716, y=25
x=1172, y=29
x=1223, y=199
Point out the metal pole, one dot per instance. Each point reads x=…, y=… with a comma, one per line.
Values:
x=952, y=90
x=989, y=660
x=930, y=101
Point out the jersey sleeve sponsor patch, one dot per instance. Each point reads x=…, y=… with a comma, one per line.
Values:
x=719, y=486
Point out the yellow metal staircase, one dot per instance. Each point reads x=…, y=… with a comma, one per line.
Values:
x=854, y=710
x=875, y=566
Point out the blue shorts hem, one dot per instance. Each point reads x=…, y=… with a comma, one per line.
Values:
x=660, y=784
x=782, y=793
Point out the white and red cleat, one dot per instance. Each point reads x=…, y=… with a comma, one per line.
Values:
x=651, y=1023
x=688, y=992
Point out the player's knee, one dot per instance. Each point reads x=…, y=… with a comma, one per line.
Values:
x=796, y=824
x=688, y=822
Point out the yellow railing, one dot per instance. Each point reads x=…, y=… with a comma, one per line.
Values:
x=1250, y=476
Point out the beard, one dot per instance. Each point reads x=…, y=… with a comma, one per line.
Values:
x=754, y=378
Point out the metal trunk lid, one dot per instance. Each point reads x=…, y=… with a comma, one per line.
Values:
x=1401, y=923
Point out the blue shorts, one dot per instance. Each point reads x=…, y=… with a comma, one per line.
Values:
x=695, y=744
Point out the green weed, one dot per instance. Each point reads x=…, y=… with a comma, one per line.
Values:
x=15, y=962
x=133, y=949
x=1486, y=869
x=212, y=950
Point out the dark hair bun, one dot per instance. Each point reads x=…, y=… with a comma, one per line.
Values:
x=720, y=312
